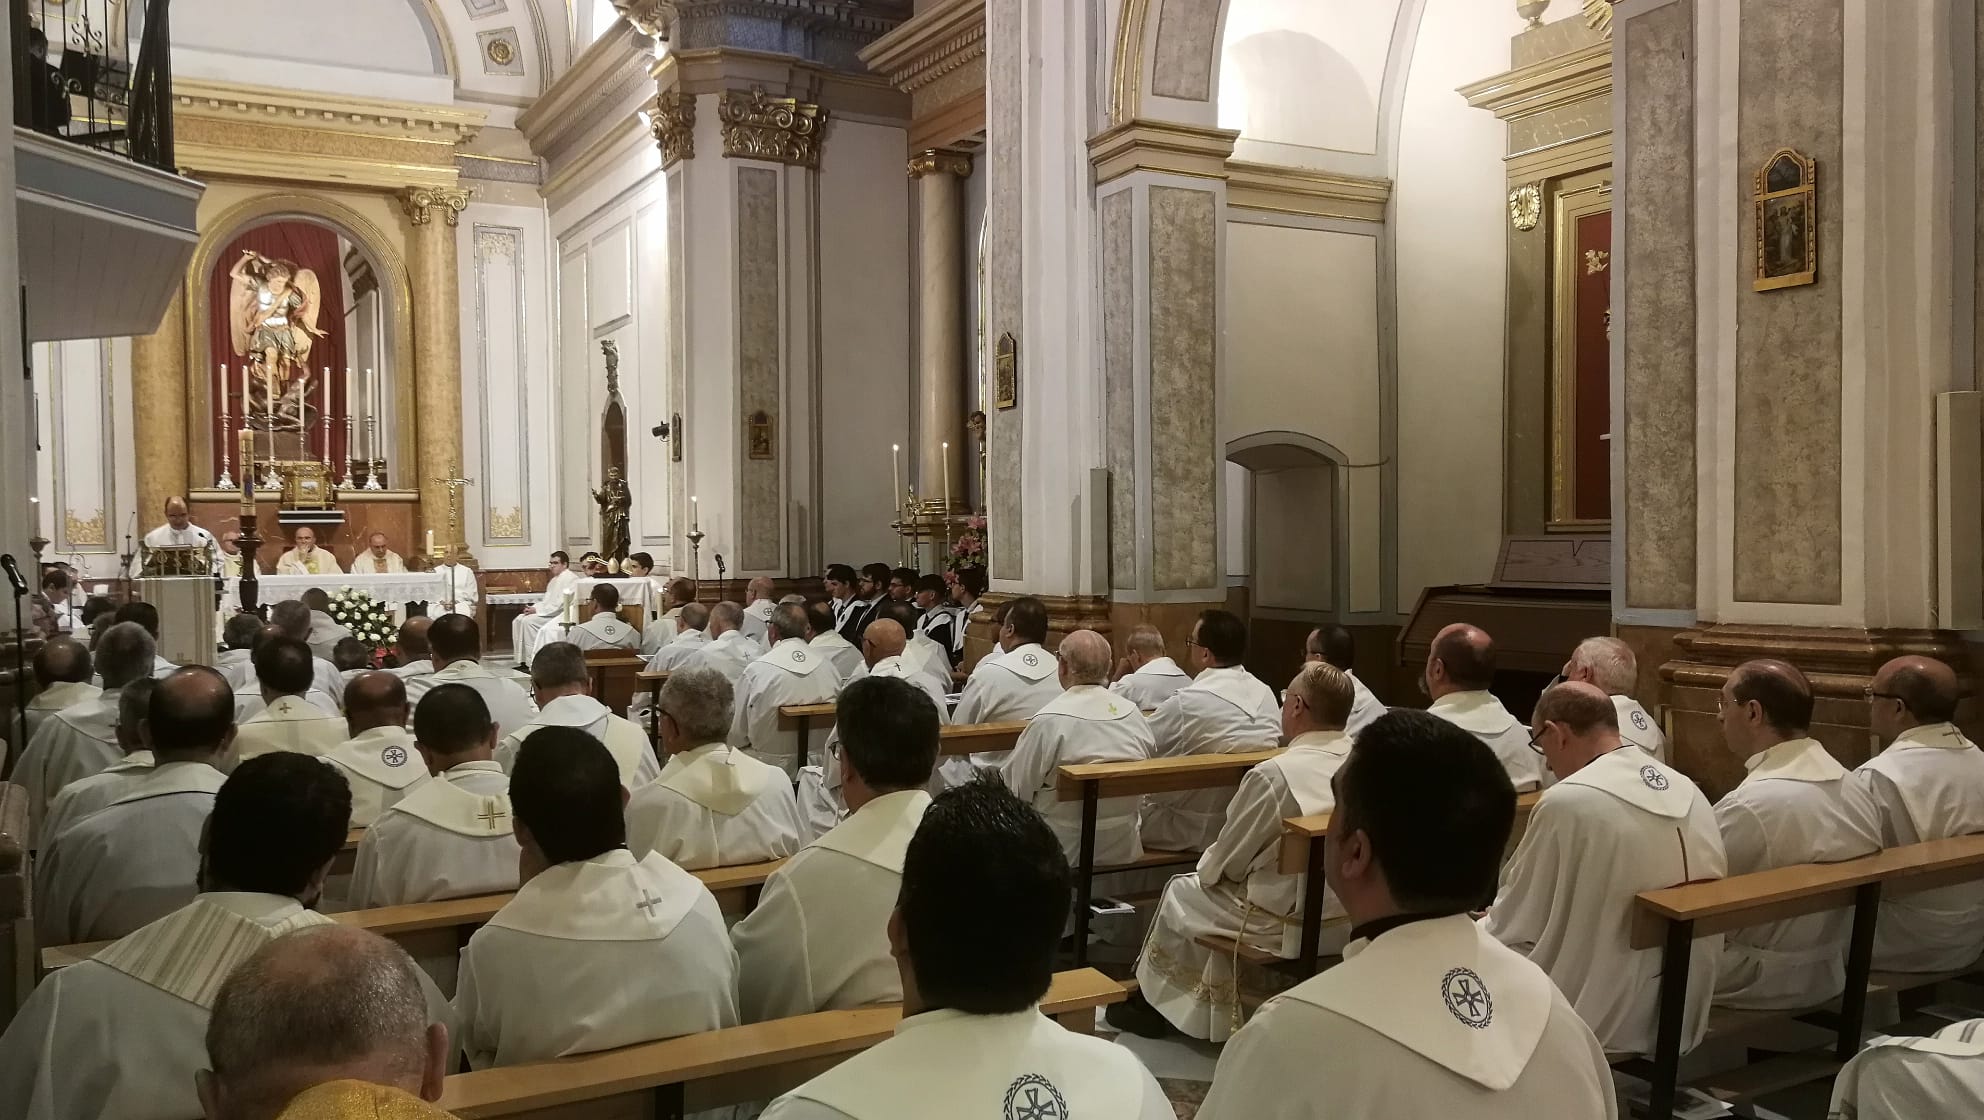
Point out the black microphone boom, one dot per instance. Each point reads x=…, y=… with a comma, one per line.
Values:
x=13, y=573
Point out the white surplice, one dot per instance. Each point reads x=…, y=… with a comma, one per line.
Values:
x=1020, y=683
x=70, y=745
x=382, y=766
x=715, y=806
x=1638, y=727
x=419, y=667
x=1792, y=808
x=589, y=956
x=981, y=1067
x=1481, y=715
x=319, y=562
x=728, y=653
x=57, y=697
x=820, y=804
x=1621, y=825
x=509, y=705
x=1223, y=711
x=325, y=634
x=240, y=673
x=792, y=673
x=238, y=666
x=605, y=630
x=363, y=564
x=1927, y=785
x=192, y=536
x=527, y=629
x=845, y=655
x=678, y=651
x=292, y=723
x=132, y=862
x=1429, y=1019
x=1238, y=891
x=1159, y=680
x=758, y=620
x=1365, y=707
x=460, y=594
x=1087, y=723
x=1915, y=1078
x=449, y=837
x=84, y=796
x=626, y=743
x=818, y=939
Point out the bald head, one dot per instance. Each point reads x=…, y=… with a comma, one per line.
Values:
x=1145, y=642
x=725, y=617
x=695, y=616
x=374, y=700
x=61, y=661
x=1462, y=660
x=191, y=715
x=1085, y=657
x=1926, y=689
x=1782, y=694
x=176, y=513
x=412, y=639
x=884, y=638
x=760, y=587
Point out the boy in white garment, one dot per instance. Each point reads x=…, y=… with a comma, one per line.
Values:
x=714, y=805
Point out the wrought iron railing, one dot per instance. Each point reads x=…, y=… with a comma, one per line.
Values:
x=96, y=73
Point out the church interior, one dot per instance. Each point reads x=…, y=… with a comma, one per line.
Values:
x=1462, y=521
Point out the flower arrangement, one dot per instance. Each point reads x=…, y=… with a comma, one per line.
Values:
x=369, y=620
x=968, y=551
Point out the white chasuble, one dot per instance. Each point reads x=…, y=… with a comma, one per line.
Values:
x=364, y=564
x=931, y=661
x=792, y=673
x=715, y=806
x=325, y=634
x=605, y=630
x=1018, y=685
x=594, y=955
x=509, y=705
x=1915, y=1078
x=1638, y=727
x=1792, y=808
x=70, y=745
x=1927, y=785
x=845, y=655
x=527, y=630
x=130, y=863
x=678, y=651
x=1087, y=723
x=57, y=697
x=80, y=798
x=626, y=743
x=981, y=1067
x=818, y=940
x=290, y=724
x=1365, y=707
x=451, y=837
x=316, y=562
x=758, y=620
x=1621, y=825
x=820, y=804
x=1481, y=715
x=382, y=766
x=120, y=1036
x=728, y=653
x=192, y=536
x=1429, y=1019
x=1223, y=711
x=248, y=705
x=1158, y=680
x=1238, y=891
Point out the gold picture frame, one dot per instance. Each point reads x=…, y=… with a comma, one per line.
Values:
x=1006, y=373
x=1574, y=197
x=1787, y=221
x=760, y=436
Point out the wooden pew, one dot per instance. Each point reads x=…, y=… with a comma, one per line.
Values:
x=652, y=680
x=705, y=1071
x=1673, y=918
x=16, y=923
x=613, y=673
x=1094, y=782
x=800, y=717
x=975, y=738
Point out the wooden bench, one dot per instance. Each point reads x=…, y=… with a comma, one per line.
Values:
x=979, y=738
x=671, y=1078
x=1094, y=782
x=614, y=673
x=652, y=680
x=800, y=717
x=16, y=924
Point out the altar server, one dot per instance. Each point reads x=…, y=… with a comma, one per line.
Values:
x=791, y=673
x=178, y=530
x=450, y=837
x=122, y=1034
x=379, y=758
x=1460, y=665
x=304, y=558
x=377, y=559
x=290, y=715
x=942, y=619
x=456, y=645
x=605, y=629
x=1086, y=723
x=80, y=740
x=817, y=939
x=1927, y=784
x=563, y=692
x=84, y=796
x=560, y=583
x=1792, y=808
x=1914, y=1078
x=690, y=638
x=1225, y=710
x=1617, y=822
x=828, y=643
x=1334, y=645
x=1609, y=664
x=714, y=805
x=1151, y=677
x=599, y=948
x=1238, y=891
x=974, y=934
x=134, y=861
x=293, y=619
x=820, y=802
x=459, y=590
x=1427, y=1015
x=1020, y=682
x=729, y=649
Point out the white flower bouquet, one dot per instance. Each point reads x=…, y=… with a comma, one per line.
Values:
x=369, y=620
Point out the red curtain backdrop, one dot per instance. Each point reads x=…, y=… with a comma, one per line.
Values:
x=313, y=247
x=1592, y=411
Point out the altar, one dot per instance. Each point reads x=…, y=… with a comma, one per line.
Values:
x=392, y=588
x=395, y=513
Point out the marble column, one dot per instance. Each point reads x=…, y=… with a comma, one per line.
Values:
x=433, y=214
x=158, y=401
x=941, y=368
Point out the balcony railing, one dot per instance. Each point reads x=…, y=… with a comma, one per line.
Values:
x=86, y=71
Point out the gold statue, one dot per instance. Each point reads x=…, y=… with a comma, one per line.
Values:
x=272, y=310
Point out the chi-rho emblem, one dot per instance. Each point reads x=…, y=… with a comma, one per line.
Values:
x=1640, y=721
x=393, y=756
x=1033, y=1097
x=1030, y=660
x=1467, y=998
x=1654, y=779
x=799, y=656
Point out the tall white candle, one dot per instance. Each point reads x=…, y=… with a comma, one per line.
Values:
x=947, y=479
x=350, y=401
x=895, y=475
x=325, y=413
x=246, y=411
x=695, y=510
x=430, y=542
x=371, y=413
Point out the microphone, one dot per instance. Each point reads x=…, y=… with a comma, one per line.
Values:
x=13, y=571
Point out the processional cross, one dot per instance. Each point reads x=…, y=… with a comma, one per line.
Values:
x=454, y=482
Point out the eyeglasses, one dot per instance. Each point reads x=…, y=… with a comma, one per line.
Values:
x=1873, y=695
x=1534, y=745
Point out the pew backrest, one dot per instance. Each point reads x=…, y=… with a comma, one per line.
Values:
x=979, y=738
x=16, y=927
x=1156, y=775
x=1297, y=833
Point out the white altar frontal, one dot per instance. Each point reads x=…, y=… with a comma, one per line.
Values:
x=386, y=587
x=186, y=617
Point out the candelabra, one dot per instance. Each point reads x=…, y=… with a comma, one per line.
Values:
x=347, y=484
x=273, y=480
x=373, y=476
x=226, y=479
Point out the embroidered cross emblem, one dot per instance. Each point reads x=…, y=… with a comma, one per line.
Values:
x=799, y=655
x=647, y=904
x=1467, y=998
x=491, y=814
x=1654, y=779
x=1030, y=660
x=1639, y=720
x=393, y=756
x=1033, y=1097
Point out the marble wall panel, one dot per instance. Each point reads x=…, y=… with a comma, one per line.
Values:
x=1184, y=348
x=678, y=370
x=499, y=345
x=761, y=513
x=1187, y=42
x=1119, y=371
x=1576, y=121
x=1005, y=84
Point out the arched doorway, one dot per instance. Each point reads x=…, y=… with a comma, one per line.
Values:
x=1286, y=503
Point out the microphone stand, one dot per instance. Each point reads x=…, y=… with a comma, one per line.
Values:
x=721, y=578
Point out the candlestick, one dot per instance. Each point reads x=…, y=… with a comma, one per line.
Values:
x=248, y=469
x=694, y=511
x=324, y=415
x=372, y=413
x=947, y=497
x=226, y=479
x=895, y=475
x=347, y=484
x=430, y=542
x=247, y=409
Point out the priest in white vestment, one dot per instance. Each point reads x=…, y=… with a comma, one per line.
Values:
x=294, y=716
x=560, y=585
x=1334, y=645
x=1617, y=822
x=79, y=741
x=1021, y=682
x=293, y=619
x=1427, y=1016
x=758, y=604
x=456, y=644
x=665, y=609
x=84, y=796
x=1150, y=676
x=972, y=1044
x=789, y=674
x=1610, y=665
x=122, y=1034
x=928, y=662
x=1926, y=784
x=1225, y=710
x=599, y=948
x=827, y=642
x=1941, y=1075
x=236, y=660
x=690, y=638
x=304, y=558
x=817, y=940
x=1086, y=723
x=377, y=559
x=410, y=647
x=178, y=530
x=1460, y=665
x=1238, y=890
x=605, y=629
x=1792, y=808
x=450, y=837
x=563, y=692
x=459, y=590
x=821, y=806
x=325, y=632
x=714, y=805
x=135, y=860
x=62, y=672
x=729, y=648
x=379, y=759
x=146, y=616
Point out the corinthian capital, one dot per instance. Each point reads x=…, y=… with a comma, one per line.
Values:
x=420, y=203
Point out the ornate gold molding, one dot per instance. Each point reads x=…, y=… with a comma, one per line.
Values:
x=226, y=129
x=1526, y=207
x=649, y=17
x=672, y=119
x=757, y=125
x=937, y=41
x=1126, y=75
x=940, y=161
x=1163, y=146
x=1321, y=194
x=506, y=524
x=81, y=532
x=421, y=202
x=1540, y=87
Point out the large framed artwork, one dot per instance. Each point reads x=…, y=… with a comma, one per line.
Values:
x=1581, y=354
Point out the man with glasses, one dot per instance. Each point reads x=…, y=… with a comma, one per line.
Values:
x=714, y=805
x=1460, y=665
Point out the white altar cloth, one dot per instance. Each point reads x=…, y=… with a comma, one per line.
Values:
x=386, y=587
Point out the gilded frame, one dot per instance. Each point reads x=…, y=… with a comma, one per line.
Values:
x=1572, y=198
x=1773, y=207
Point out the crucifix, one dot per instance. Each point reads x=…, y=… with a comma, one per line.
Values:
x=454, y=482
x=490, y=814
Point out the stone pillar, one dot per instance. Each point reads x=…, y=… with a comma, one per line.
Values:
x=17, y=434
x=941, y=370
x=433, y=214
x=158, y=400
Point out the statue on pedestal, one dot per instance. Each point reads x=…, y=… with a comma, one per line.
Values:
x=616, y=504
x=615, y=500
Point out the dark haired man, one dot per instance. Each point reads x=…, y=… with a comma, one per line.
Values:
x=62, y=674
x=561, y=684
x=1792, y=808
x=871, y=588
x=974, y=933
x=1617, y=822
x=840, y=580
x=291, y=619
x=670, y=596
x=1333, y=644
x=1225, y=710
x=1926, y=784
x=942, y=620
x=816, y=940
x=825, y=641
x=455, y=643
x=289, y=715
x=598, y=949
x=1021, y=681
x=81, y=740
x=605, y=629
x=1460, y=665
x=121, y=1034
x=560, y=584
x=1427, y=1015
